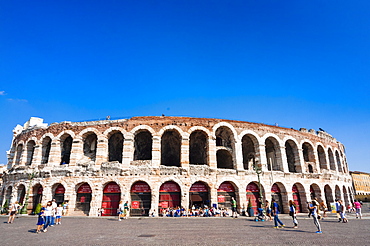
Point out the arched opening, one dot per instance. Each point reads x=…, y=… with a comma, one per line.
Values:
x=224, y=159
x=291, y=151
x=331, y=160
x=272, y=154
x=279, y=196
x=253, y=195
x=315, y=191
x=46, y=147
x=338, y=194
x=8, y=194
x=115, y=146
x=36, y=196
x=83, y=199
x=30, y=151
x=198, y=149
x=299, y=197
x=58, y=193
x=249, y=150
x=141, y=199
x=169, y=196
x=322, y=157
x=111, y=199
x=339, y=164
x=199, y=195
x=328, y=196
x=21, y=193
x=308, y=154
x=310, y=168
x=345, y=196
x=225, y=192
x=89, y=147
x=66, y=147
x=143, y=146
x=171, y=148
x=18, y=154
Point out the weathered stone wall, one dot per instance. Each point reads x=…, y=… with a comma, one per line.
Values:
x=89, y=159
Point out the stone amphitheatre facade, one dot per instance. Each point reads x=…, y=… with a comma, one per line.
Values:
x=161, y=162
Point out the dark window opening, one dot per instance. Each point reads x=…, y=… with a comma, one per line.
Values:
x=322, y=157
x=249, y=152
x=290, y=157
x=143, y=146
x=224, y=159
x=89, y=147
x=46, y=146
x=198, y=148
x=170, y=148
x=66, y=150
x=19, y=154
x=115, y=147
x=331, y=160
x=30, y=151
x=310, y=168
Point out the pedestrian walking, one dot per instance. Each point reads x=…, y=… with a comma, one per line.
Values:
x=268, y=209
x=40, y=220
x=357, y=206
x=126, y=210
x=13, y=210
x=120, y=210
x=293, y=213
x=314, y=208
x=58, y=215
x=276, y=212
x=323, y=208
x=233, y=208
x=48, y=214
x=342, y=211
x=337, y=208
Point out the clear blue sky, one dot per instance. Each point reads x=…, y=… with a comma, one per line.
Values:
x=295, y=63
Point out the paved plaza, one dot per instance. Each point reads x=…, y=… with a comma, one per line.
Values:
x=185, y=231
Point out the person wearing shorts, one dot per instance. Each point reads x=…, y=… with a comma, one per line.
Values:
x=13, y=209
x=233, y=208
x=58, y=215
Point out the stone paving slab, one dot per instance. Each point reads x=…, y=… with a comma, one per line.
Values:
x=185, y=231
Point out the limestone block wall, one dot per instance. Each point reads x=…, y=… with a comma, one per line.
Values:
x=326, y=178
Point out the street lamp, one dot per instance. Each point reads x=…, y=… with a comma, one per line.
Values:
x=31, y=176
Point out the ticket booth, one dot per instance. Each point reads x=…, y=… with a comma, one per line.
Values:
x=199, y=195
x=83, y=198
x=169, y=196
x=297, y=199
x=111, y=199
x=59, y=194
x=224, y=194
x=141, y=199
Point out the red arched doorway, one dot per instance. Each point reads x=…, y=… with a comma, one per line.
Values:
x=297, y=198
x=59, y=194
x=224, y=194
x=169, y=196
x=253, y=194
x=276, y=194
x=199, y=195
x=37, y=196
x=141, y=199
x=111, y=199
x=83, y=198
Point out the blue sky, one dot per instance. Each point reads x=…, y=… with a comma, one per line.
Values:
x=295, y=63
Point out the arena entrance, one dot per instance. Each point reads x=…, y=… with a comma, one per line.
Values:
x=276, y=194
x=253, y=194
x=224, y=194
x=169, y=196
x=297, y=198
x=141, y=199
x=199, y=195
x=37, y=196
x=83, y=199
x=111, y=199
x=59, y=194
x=21, y=194
x=328, y=196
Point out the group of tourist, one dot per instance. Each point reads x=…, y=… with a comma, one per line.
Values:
x=50, y=215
